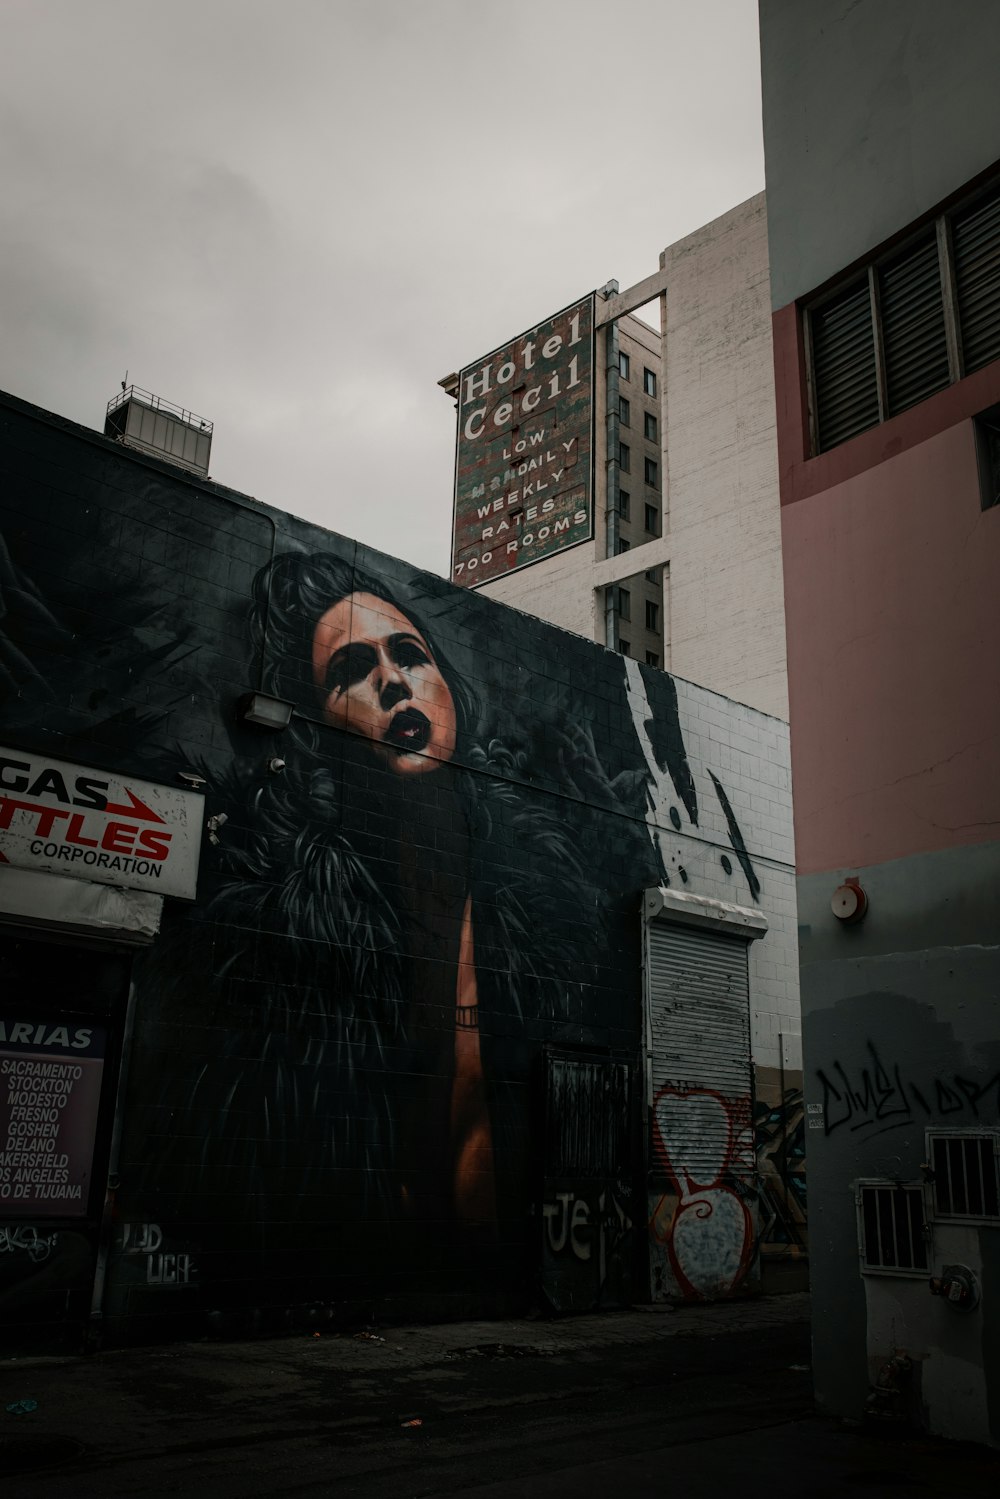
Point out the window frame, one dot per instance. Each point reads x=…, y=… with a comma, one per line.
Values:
x=624, y=457
x=911, y=1189
x=649, y=421
x=624, y=365
x=986, y=431
x=652, y=616
x=651, y=467
x=624, y=411
x=651, y=511
x=648, y=381
x=987, y=1135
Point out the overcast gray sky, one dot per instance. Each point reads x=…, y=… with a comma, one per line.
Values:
x=295, y=216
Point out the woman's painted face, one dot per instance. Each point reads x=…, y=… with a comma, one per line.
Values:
x=376, y=675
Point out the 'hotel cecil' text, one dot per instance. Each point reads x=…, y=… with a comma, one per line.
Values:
x=523, y=471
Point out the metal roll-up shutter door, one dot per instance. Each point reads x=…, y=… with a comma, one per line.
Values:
x=699, y=1024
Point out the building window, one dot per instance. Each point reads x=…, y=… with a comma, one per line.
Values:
x=652, y=472
x=624, y=457
x=652, y=575
x=624, y=503
x=652, y=615
x=624, y=604
x=987, y=429
x=625, y=646
x=622, y=546
x=964, y=1168
x=624, y=412
x=652, y=520
x=649, y=426
x=623, y=364
x=910, y=324
x=652, y=659
x=891, y=1228
x=649, y=382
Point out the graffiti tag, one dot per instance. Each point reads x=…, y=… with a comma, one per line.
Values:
x=878, y=1094
x=25, y=1237
x=146, y=1240
x=705, y=1143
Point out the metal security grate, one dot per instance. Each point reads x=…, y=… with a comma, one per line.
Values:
x=892, y=1228
x=975, y=235
x=913, y=335
x=587, y=1110
x=965, y=1176
x=845, y=384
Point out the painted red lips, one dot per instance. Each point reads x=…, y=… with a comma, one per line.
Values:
x=408, y=731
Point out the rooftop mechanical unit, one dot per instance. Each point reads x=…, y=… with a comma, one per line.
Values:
x=152, y=425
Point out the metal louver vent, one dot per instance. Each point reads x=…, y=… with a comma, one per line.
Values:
x=913, y=330
x=843, y=353
x=976, y=258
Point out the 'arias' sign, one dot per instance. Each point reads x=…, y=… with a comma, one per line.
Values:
x=523, y=469
x=68, y=819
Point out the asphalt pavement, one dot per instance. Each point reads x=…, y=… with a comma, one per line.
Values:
x=685, y=1403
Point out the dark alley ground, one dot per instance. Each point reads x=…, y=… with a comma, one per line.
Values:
x=690, y=1403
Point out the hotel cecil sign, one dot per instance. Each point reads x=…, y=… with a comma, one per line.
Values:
x=524, y=462
x=95, y=825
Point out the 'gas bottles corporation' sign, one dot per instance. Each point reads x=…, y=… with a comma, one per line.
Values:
x=98, y=825
x=524, y=459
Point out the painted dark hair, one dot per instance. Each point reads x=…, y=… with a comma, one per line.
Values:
x=292, y=594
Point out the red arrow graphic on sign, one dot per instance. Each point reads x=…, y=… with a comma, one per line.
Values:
x=134, y=808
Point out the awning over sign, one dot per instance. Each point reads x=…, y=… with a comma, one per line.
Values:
x=71, y=905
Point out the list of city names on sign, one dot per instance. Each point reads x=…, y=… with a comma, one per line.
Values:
x=524, y=459
x=50, y=1092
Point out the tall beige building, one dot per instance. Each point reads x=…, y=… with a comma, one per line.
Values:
x=684, y=569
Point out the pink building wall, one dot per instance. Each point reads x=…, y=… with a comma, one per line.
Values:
x=892, y=598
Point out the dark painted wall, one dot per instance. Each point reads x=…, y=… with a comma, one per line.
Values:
x=336, y=1093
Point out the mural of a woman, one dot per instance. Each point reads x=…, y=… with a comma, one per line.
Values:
x=377, y=676
x=401, y=946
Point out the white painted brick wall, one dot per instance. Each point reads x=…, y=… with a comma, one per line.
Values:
x=749, y=752
x=557, y=589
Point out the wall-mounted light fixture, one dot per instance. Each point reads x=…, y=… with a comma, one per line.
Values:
x=264, y=711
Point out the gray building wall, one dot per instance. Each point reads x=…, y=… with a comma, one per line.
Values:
x=874, y=110
x=900, y=1034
